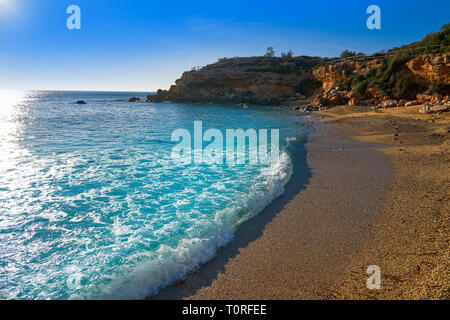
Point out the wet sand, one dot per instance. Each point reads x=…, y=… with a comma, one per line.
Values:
x=303, y=245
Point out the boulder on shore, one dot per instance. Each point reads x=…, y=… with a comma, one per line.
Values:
x=134, y=99
x=426, y=109
x=411, y=103
x=389, y=104
x=331, y=98
x=353, y=101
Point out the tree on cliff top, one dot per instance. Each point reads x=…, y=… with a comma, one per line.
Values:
x=270, y=52
x=348, y=54
x=287, y=55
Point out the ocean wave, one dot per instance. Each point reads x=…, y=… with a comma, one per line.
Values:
x=170, y=263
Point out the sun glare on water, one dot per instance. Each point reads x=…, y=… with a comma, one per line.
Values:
x=9, y=98
x=10, y=127
x=10, y=101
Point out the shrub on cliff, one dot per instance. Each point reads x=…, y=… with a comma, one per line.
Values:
x=436, y=42
x=349, y=54
x=287, y=55
x=392, y=77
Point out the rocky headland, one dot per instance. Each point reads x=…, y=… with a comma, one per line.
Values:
x=262, y=80
x=414, y=74
x=311, y=83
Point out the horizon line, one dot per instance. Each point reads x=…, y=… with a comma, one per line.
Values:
x=80, y=90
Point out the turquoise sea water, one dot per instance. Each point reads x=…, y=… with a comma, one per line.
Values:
x=93, y=206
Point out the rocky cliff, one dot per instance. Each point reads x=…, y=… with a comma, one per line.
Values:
x=360, y=80
x=431, y=68
x=270, y=80
x=266, y=80
x=329, y=74
x=384, y=82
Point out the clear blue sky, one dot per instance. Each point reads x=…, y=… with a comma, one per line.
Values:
x=144, y=45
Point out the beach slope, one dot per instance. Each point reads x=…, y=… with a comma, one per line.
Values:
x=302, y=244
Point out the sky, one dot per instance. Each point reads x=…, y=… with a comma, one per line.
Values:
x=144, y=45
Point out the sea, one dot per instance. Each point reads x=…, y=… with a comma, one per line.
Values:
x=93, y=205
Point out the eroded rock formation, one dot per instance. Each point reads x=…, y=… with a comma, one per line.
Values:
x=258, y=79
x=432, y=68
x=331, y=73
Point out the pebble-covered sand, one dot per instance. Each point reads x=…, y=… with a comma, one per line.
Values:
x=410, y=241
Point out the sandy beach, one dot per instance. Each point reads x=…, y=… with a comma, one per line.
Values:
x=410, y=241
x=377, y=194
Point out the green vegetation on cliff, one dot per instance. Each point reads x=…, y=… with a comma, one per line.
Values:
x=284, y=65
x=435, y=42
x=391, y=76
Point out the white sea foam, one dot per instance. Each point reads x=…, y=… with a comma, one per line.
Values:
x=168, y=264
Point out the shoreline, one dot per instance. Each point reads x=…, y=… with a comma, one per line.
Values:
x=298, y=246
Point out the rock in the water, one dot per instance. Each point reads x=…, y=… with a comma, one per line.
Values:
x=134, y=99
x=80, y=102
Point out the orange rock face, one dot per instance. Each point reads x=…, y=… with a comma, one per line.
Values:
x=431, y=67
x=233, y=84
x=331, y=73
